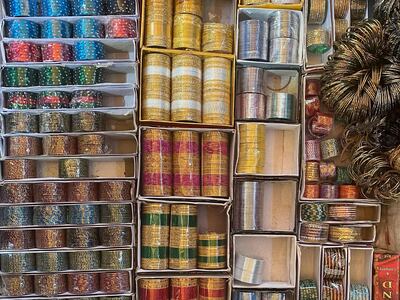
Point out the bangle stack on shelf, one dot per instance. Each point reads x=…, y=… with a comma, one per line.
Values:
x=187, y=147
x=269, y=59
x=69, y=149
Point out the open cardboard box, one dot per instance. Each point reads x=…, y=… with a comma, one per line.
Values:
x=335, y=133
x=202, y=55
x=228, y=279
x=309, y=265
x=314, y=62
x=116, y=74
x=3, y=13
x=123, y=97
x=115, y=121
x=270, y=5
x=115, y=50
x=367, y=213
x=279, y=254
x=47, y=169
x=103, y=19
x=211, y=217
x=344, y=279
x=4, y=202
x=231, y=133
x=281, y=150
x=278, y=205
x=360, y=261
x=73, y=225
x=275, y=81
x=263, y=14
x=115, y=144
x=221, y=11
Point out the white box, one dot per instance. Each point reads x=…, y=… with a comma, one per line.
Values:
x=214, y=217
x=360, y=261
x=263, y=14
x=281, y=150
x=309, y=265
x=279, y=254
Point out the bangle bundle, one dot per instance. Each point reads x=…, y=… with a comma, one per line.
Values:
x=251, y=148
x=308, y=290
x=314, y=232
x=248, y=270
x=248, y=205
x=212, y=250
x=345, y=234
x=314, y=212
x=318, y=40
x=317, y=11
x=217, y=37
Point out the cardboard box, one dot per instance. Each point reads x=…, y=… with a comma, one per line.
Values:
x=276, y=81
x=316, y=62
x=202, y=55
x=228, y=279
x=278, y=204
x=309, y=265
x=293, y=6
x=231, y=133
x=360, y=261
x=279, y=254
x=281, y=150
x=386, y=276
x=263, y=14
x=212, y=217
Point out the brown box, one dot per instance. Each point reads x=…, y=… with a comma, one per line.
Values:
x=386, y=276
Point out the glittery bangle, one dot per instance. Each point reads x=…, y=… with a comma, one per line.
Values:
x=54, y=76
x=52, y=261
x=17, y=262
x=116, y=213
x=89, y=50
x=82, y=191
x=22, y=29
x=308, y=290
x=329, y=191
x=87, y=7
x=17, y=239
x=50, y=192
x=73, y=168
x=23, y=146
x=16, y=193
x=88, y=28
x=327, y=170
x=334, y=263
x=345, y=234
x=314, y=232
x=217, y=37
x=314, y=212
x=52, y=99
x=50, y=238
x=50, y=284
x=116, y=259
x=59, y=145
x=87, y=122
x=83, y=214
x=82, y=237
x=54, y=122
x=187, y=31
x=56, y=29
x=17, y=285
x=84, y=260
x=16, y=216
x=312, y=171
x=19, y=77
x=115, y=236
x=342, y=212
x=88, y=75
x=91, y=144
x=115, y=282
x=318, y=41
x=115, y=191
x=348, y=191
x=117, y=7
x=49, y=215
x=312, y=150
x=317, y=11
x=21, y=123
x=86, y=99
x=14, y=169
x=330, y=148
x=23, y=52
x=83, y=283
x=121, y=28
x=20, y=100
x=311, y=191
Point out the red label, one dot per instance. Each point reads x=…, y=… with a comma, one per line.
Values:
x=386, y=276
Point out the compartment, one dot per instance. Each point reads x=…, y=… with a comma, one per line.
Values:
x=270, y=205
x=278, y=148
x=224, y=117
x=360, y=270
x=272, y=4
x=278, y=253
x=211, y=11
x=122, y=120
x=115, y=75
x=164, y=189
x=263, y=15
x=98, y=168
x=267, y=82
x=112, y=98
x=72, y=20
x=165, y=290
x=115, y=50
x=350, y=213
x=309, y=261
x=334, y=270
x=111, y=144
x=319, y=56
x=211, y=218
